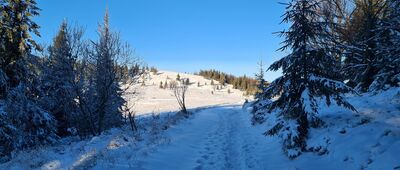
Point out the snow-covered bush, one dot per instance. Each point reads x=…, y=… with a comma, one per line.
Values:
x=25, y=123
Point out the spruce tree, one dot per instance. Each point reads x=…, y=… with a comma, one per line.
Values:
x=59, y=78
x=187, y=82
x=258, y=117
x=308, y=76
x=387, y=49
x=15, y=37
x=107, y=90
x=260, y=81
x=24, y=123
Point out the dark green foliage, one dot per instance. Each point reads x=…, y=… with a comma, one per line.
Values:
x=243, y=83
x=187, y=81
x=261, y=83
x=15, y=38
x=153, y=70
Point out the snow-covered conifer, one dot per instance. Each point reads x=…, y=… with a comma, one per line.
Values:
x=260, y=81
x=308, y=76
x=23, y=123
x=387, y=48
x=58, y=80
x=108, y=93
x=361, y=61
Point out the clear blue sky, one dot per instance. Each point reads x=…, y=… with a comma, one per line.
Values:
x=181, y=35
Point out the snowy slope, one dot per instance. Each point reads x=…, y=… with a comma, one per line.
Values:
x=369, y=139
x=152, y=99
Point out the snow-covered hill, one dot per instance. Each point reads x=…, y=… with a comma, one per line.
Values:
x=153, y=99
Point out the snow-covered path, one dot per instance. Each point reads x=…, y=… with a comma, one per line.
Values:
x=215, y=138
x=222, y=137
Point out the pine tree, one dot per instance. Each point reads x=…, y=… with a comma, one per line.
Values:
x=308, y=73
x=59, y=78
x=107, y=90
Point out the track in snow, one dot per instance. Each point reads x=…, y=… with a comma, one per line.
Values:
x=216, y=138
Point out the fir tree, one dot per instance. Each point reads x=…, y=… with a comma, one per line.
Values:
x=307, y=76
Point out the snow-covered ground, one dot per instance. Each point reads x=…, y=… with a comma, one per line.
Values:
x=369, y=139
x=152, y=99
x=222, y=137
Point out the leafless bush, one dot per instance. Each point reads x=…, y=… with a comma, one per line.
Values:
x=173, y=85
x=180, y=95
x=130, y=116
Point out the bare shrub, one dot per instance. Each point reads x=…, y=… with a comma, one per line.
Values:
x=180, y=95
